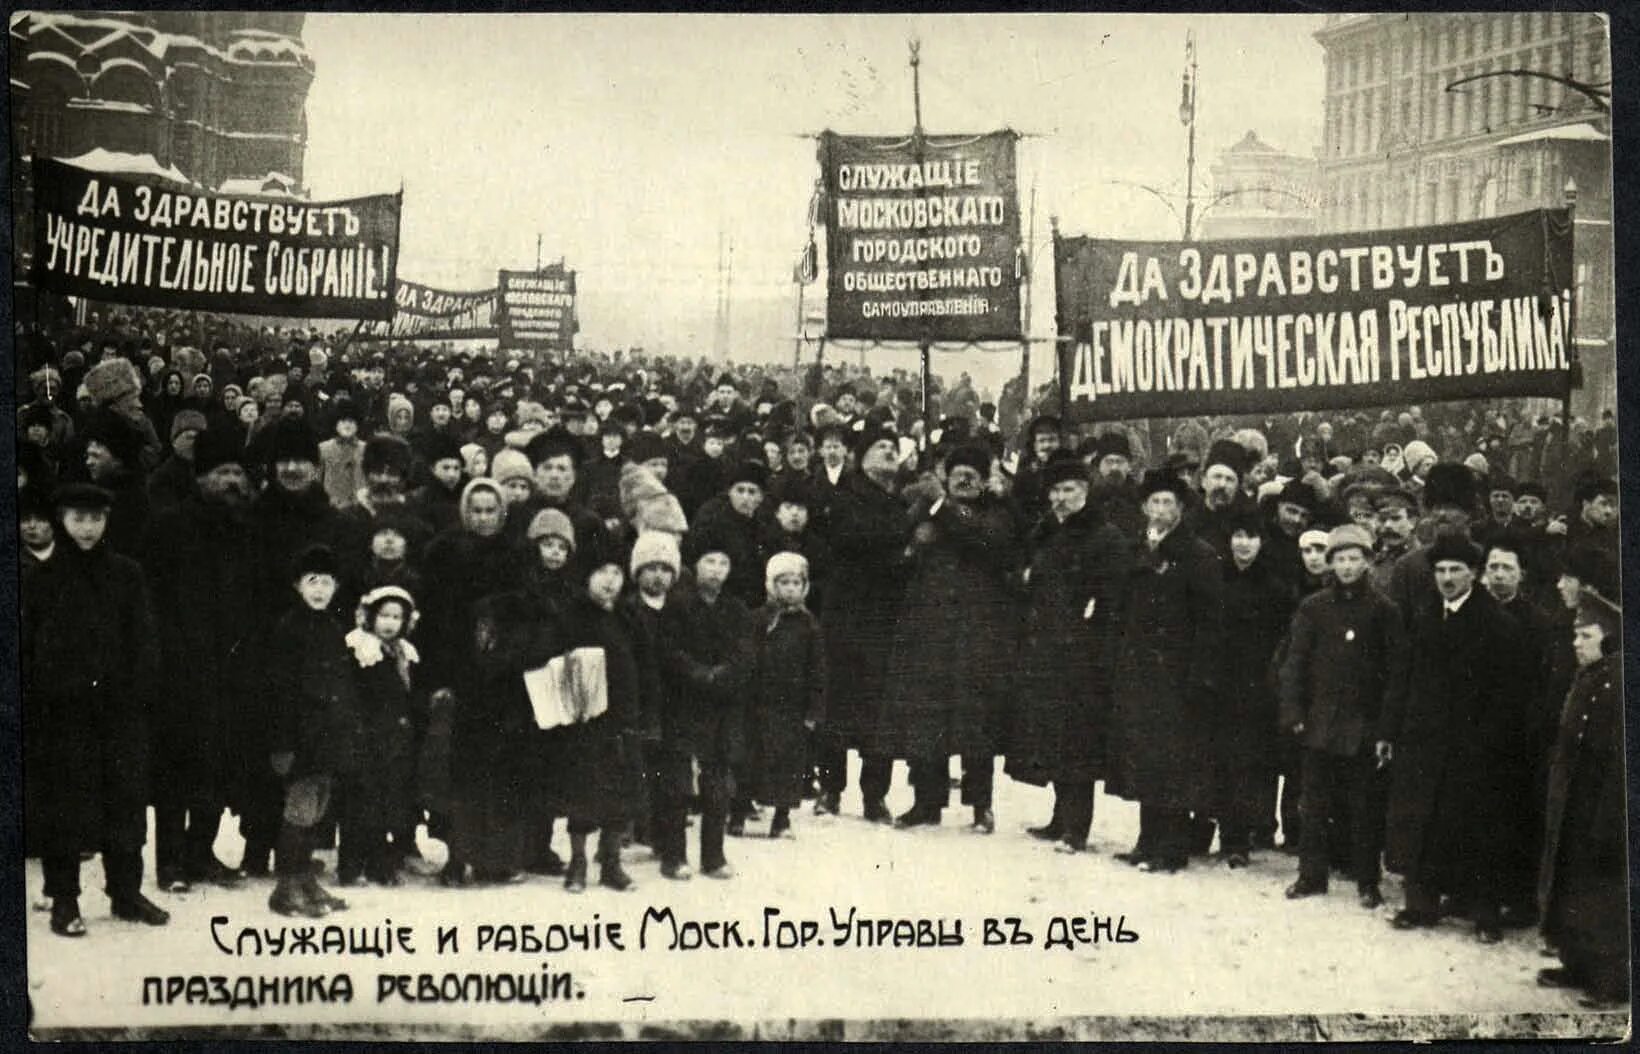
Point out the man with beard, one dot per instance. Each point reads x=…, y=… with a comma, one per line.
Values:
x=953, y=642
x=869, y=532
x=1456, y=745
x=1113, y=490
x=1583, y=888
x=201, y=563
x=1166, y=677
x=1221, y=493
x=1057, y=735
x=292, y=515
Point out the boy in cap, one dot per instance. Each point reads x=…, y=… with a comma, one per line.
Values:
x=341, y=457
x=311, y=704
x=89, y=665
x=708, y=659
x=1345, y=658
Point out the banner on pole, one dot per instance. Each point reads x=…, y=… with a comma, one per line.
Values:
x=424, y=313
x=131, y=240
x=1461, y=311
x=921, y=238
x=537, y=308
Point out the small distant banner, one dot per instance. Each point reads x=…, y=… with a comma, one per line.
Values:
x=130, y=240
x=537, y=308
x=422, y=312
x=1472, y=310
x=922, y=237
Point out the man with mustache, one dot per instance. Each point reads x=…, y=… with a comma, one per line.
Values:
x=201, y=561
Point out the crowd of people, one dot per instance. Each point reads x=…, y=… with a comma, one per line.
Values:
x=348, y=592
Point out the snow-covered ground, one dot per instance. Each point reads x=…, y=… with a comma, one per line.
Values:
x=1219, y=953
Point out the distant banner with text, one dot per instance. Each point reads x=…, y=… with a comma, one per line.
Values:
x=1463, y=311
x=424, y=313
x=136, y=241
x=922, y=238
x=538, y=309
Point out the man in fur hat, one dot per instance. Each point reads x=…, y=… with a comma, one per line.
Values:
x=1166, y=677
x=113, y=461
x=1223, y=470
x=733, y=517
x=868, y=533
x=953, y=651
x=201, y=563
x=1463, y=713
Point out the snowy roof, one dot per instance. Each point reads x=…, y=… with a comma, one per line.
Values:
x=114, y=105
x=259, y=46
x=1582, y=132
x=114, y=161
x=272, y=185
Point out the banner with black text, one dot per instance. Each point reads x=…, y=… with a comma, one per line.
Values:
x=1471, y=310
x=130, y=240
x=922, y=237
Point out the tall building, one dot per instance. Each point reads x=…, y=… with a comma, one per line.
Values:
x=1401, y=149
x=220, y=96
x=1261, y=192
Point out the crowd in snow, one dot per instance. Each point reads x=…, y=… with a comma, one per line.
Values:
x=346, y=591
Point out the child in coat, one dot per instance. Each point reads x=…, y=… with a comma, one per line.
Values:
x=313, y=718
x=789, y=696
x=376, y=796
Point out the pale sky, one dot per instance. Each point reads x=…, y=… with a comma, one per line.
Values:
x=630, y=141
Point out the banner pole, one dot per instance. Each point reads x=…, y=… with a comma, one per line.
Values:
x=1025, y=327
x=1571, y=309
x=797, y=340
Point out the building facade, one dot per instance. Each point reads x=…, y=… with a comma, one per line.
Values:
x=1401, y=149
x=1261, y=192
x=218, y=95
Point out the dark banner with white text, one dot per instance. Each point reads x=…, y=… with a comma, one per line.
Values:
x=922, y=237
x=424, y=313
x=137, y=241
x=537, y=308
x=1472, y=310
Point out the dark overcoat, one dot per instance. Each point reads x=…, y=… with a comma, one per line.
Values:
x=89, y=664
x=201, y=565
x=1058, y=726
x=1168, y=673
x=1461, y=764
x=309, y=695
x=1583, y=883
x=954, y=643
x=1258, y=605
x=594, y=770
x=708, y=661
x=869, y=531
x=790, y=688
x=1345, y=654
